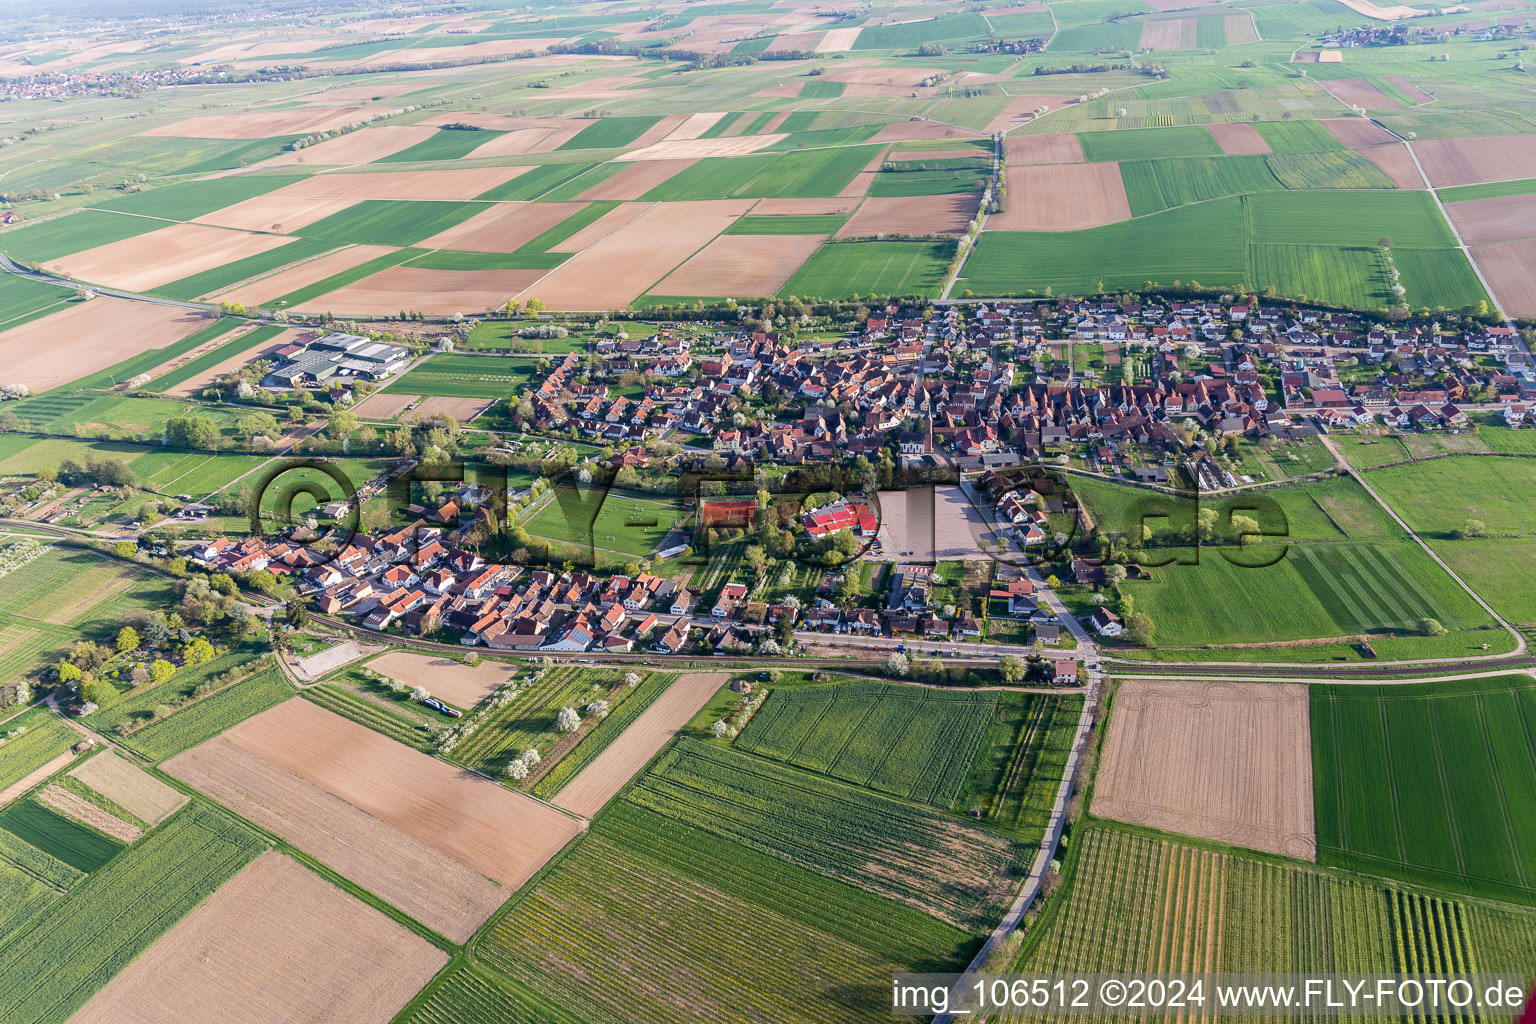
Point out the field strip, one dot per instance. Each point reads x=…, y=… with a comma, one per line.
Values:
x=223, y=288
x=609, y=772
x=1509, y=823
x=1397, y=803
x=20, y=786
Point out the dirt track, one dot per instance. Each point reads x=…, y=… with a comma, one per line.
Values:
x=1224, y=761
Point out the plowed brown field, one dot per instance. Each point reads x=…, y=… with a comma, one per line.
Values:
x=1063, y=197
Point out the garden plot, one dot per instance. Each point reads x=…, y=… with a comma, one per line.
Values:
x=608, y=773
x=133, y=789
x=1221, y=761
x=457, y=183
x=276, y=944
x=435, y=292
x=462, y=409
x=160, y=257
x=87, y=337
x=619, y=268
x=385, y=405
x=458, y=683
x=741, y=265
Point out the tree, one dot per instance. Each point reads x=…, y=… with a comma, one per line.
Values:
x=343, y=422
x=198, y=432
x=569, y=719
x=1139, y=629
x=160, y=670
x=631, y=679
x=261, y=581
x=1052, y=582
x=1431, y=627
x=197, y=652
x=719, y=729
x=98, y=692
x=535, y=306
x=224, y=583
x=258, y=424
x=1114, y=574
x=420, y=693
x=530, y=756
x=127, y=640
x=1472, y=528
x=125, y=549
x=756, y=557
x=847, y=592
x=296, y=613
x=1246, y=528
x=68, y=673
x=517, y=771
x=1011, y=670
x=898, y=664
x=598, y=709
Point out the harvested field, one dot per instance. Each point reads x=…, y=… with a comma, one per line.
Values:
x=456, y=183
x=741, y=265
x=130, y=787
x=263, y=125
x=87, y=337
x=796, y=41
x=903, y=77
x=696, y=125
x=503, y=227
x=454, y=681
x=192, y=385
x=1467, y=161
x=526, y=140
x=1063, y=197
x=837, y=40
x=619, y=268
x=912, y=215
x=276, y=944
x=917, y=131
x=1032, y=150
x=1410, y=90
x=1021, y=110
x=82, y=810
x=266, y=213
x=1357, y=132
x=1511, y=271
x=1501, y=218
x=504, y=835
x=697, y=149
x=359, y=147
x=435, y=292
x=385, y=405
x=302, y=275
x=1217, y=760
x=1396, y=163
x=662, y=129
x=600, y=781
x=1357, y=92
x=21, y=785
x=1168, y=34
x=636, y=180
x=788, y=207
x=461, y=409
x=1381, y=13
x=160, y=257
x=604, y=225
x=1237, y=139
x=438, y=891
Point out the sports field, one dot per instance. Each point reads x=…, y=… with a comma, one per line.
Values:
x=631, y=526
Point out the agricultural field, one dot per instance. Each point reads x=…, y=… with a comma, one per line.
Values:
x=1236, y=913
x=616, y=725
x=909, y=742
x=460, y=375
x=1438, y=497
x=845, y=269
x=32, y=741
x=1429, y=783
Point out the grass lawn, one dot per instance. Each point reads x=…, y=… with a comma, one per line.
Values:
x=1432, y=783
x=633, y=526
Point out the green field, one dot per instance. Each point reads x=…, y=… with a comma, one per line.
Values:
x=1438, y=497
x=952, y=869
x=34, y=738
x=536, y=182
x=804, y=173
x=1432, y=783
x=461, y=375
x=46, y=868
x=499, y=734
x=1153, y=185
x=447, y=144
x=1297, y=136
x=1251, y=914
x=23, y=299
x=390, y=221
x=227, y=276
x=631, y=526
x=1499, y=570
x=943, y=28
x=826, y=224
x=87, y=580
x=1341, y=168
x=940, y=177
x=1012, y=781
x=1124, y=35
x=188, y=200
x=1149, y=143
x=22, y=897
x=103, y=924
x=39, y=243
x=1492, y=190
x=193, y=367
x=611, y=132
x=74, y=844
x=908, y=741
x=841, y=270
x=210, y=716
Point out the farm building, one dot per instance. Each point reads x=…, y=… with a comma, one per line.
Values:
x=853, y=515
x=339, y=355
